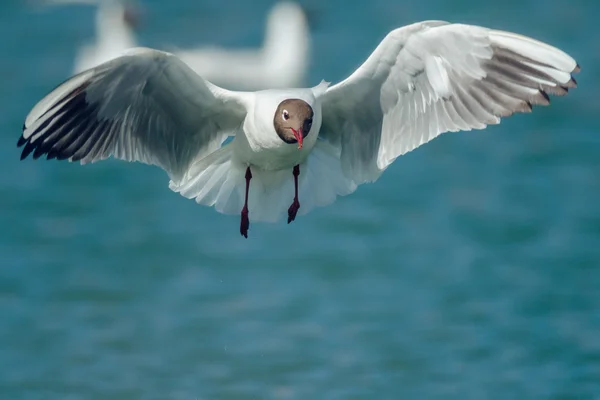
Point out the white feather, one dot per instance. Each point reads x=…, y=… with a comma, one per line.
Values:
x=438, y=77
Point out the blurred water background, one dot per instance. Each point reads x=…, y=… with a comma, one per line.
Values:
x=470, y=270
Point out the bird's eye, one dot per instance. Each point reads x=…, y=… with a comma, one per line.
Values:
x=285, y=115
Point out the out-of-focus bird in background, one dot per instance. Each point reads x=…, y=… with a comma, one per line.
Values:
x=116, y=21
x=281, y=62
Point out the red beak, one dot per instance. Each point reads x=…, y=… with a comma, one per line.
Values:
x=298, y=136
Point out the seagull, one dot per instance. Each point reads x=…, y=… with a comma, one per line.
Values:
x=116, y=21
x=304, y=145
x=281, y=62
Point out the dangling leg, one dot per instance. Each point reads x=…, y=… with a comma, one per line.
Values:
x=245, y=222
x=296, y=204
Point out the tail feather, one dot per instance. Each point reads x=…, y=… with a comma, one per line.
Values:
x=219, y=181
x=212, y=182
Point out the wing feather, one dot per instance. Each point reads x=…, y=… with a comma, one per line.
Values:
x=145, y=106
x=433, y=77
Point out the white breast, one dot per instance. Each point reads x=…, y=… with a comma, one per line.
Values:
x=269, y=153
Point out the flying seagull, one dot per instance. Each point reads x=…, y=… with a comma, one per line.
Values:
x=309, y=145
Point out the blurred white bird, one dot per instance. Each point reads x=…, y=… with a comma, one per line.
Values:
x=315, y=143
x=274, y=65
x=281, y=62
x=115, y=23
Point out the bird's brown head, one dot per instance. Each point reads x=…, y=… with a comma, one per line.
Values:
x=132, y=15
x=293, y=120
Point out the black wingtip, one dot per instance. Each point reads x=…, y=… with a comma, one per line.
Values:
x=27, y=150
x=21, y=141
x=573, y=82
x=42, y=139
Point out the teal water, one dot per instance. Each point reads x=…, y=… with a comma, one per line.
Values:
x=470, y=270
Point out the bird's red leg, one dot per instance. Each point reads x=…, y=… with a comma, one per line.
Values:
x=293, y=210
x=245, y=222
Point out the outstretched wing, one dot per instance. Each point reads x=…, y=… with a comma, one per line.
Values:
x=145, y=106
x=433, y=77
